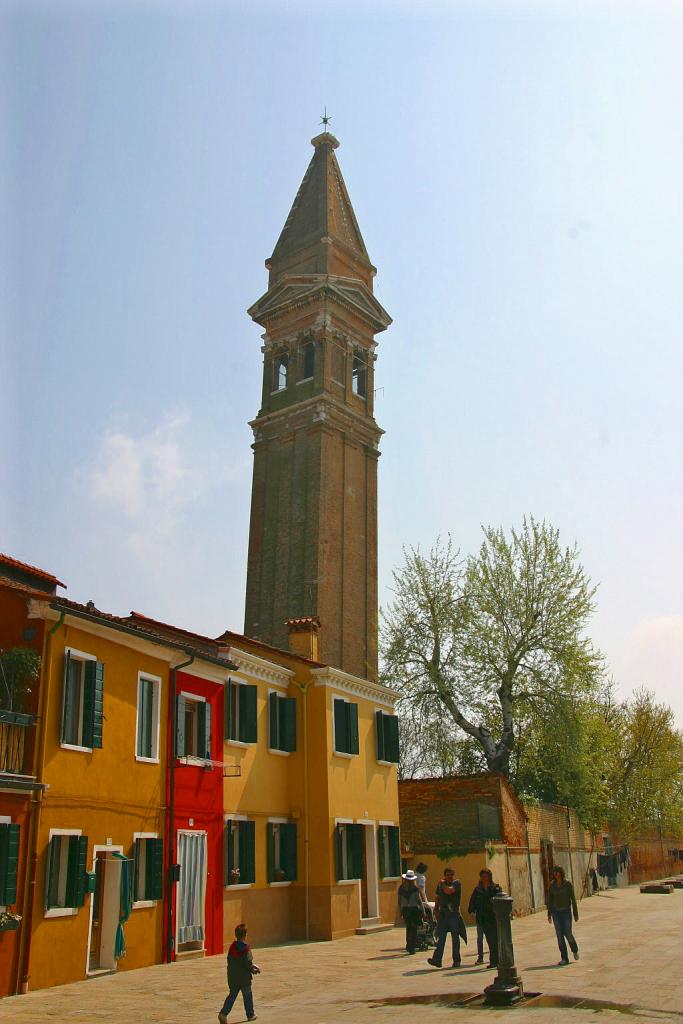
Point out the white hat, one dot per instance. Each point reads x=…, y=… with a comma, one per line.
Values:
x=410, y=875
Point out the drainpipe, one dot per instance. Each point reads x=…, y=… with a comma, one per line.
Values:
x=304, y=691
x=569, y=844
x=39, y=759
x=170, y=943
x=531, y=871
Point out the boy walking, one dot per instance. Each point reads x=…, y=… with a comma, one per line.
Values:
x=241, y=968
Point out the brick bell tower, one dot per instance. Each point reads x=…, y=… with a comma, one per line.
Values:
x=313, y=530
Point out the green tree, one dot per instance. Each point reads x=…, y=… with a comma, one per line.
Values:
x=646, y=780
x=475, y=647
x=19, y=668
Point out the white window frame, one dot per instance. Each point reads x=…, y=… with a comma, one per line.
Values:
x=345, y=850
x=279, y=821
x=237, y=817
x=341, y=753
x=381, y=825
x=156, y=718
x=81, y=657
x=226, y=739
x=275, y=750
x=60, y=911
x=196, y=698
x=140, y=904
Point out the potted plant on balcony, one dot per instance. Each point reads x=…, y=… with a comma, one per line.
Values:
x=9, y=921
x=19, y=670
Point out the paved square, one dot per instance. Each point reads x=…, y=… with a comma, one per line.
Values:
x=630, y=954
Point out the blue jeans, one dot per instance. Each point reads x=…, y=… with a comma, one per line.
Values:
x=447, y=923
x=562, y=919
x=232, y=996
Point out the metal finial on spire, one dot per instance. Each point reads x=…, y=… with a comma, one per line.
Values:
x=325, y=120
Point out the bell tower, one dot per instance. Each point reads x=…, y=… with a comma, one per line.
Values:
x=313, y=529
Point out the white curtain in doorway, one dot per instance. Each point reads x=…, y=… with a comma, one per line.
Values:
x=192, y=858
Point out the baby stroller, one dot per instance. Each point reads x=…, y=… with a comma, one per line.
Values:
x=426, y=930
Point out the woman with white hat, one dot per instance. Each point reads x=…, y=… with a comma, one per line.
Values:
x=410, y=907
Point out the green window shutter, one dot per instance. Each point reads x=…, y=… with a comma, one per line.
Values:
x=52, y=880
x=288, y=851
x=352, y=724
x=68, y=698
x=145, y=710
x=247, y=831
x=379, y=728
x=247, y=696
x=381, y=835
x=270, y=840
x=339, y=850
x=228, y=859
x=391, y=746
x=9, y=863
x=287, y=723
x=93, y=692
x=204, y=731
x=180, y=726
x=357, y=837
x=394, y=851
x=273, y=734
x=341, y=735
x=76, y=868
x=154, y=869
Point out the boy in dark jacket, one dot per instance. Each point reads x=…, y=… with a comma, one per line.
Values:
x=489, y=891
x=241, y=968
x=561, y=907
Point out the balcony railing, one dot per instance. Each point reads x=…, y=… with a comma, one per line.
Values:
x=15, y=742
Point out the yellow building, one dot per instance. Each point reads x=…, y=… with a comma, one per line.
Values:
x=310, y=799
x=100, y=825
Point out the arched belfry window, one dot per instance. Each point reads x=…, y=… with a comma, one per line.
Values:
x=307, y=360
x=280, y=367
x=359, y=375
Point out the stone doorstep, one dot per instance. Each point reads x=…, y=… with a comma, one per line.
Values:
x=190, y=954
x=657, y=887
x=369, y=925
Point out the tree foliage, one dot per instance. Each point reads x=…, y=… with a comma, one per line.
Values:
x=19, y=668
x=483, y=645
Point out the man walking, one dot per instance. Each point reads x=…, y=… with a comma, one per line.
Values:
x=490, y=890
x=561, y=906
x=447, y=909
x=476, y=907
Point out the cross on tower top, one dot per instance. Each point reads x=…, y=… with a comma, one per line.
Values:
x=325, y=119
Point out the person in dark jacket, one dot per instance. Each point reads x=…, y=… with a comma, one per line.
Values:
x=489, y=889
x=410, y=907
x=475, y=907
x=447, y=910
x=561, y=905
x=241, y=968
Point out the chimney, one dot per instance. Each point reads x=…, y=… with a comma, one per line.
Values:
x=303, y=636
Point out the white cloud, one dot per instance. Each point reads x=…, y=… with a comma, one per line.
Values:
x=143, y=483
x=653, y=657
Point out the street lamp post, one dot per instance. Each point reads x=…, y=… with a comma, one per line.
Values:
x=507, y=988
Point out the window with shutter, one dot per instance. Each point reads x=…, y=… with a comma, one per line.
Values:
x=350, y=851
x=345, y=726
x=83, y=690
x=239, y=863
x=147, y=744
x=247, y=713
x=289, y=851
x=247, y=831
x=9, y=862
x=65, y=882
x=281, y=722
x=387, y=737
x=180, y=726
x=154, y=869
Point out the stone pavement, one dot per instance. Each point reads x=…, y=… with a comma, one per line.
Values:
x=630, y=954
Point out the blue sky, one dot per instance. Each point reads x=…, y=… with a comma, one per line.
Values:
x=516, y=171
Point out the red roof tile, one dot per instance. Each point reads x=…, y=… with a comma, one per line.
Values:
x=31, y=570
